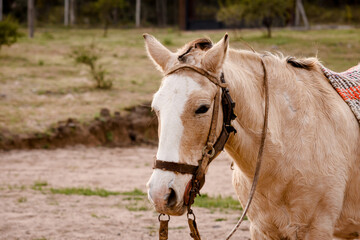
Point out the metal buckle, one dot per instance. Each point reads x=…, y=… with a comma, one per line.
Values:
x=210, y=153
x=190, y=212
x=161, y=214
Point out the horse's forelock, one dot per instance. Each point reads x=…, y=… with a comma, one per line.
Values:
x=203, y=44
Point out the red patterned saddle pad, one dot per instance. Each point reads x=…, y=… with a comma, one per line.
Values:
x=347, y=84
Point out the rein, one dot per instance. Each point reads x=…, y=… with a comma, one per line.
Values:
x=211, y=150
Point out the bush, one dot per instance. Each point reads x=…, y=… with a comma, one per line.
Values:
x=89, y=56
x=9, y=32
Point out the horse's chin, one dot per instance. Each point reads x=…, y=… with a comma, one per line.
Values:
x=177, y=210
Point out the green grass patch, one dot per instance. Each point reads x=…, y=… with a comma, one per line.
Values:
x=14, y=187
x=84, y=191
x=38, y=185
x=220, y=219
x=221, y=203
x=133, y=196
x=135, y=208
x=22, y=200
x=136, y=200
x=135, y=192
x=177, y=228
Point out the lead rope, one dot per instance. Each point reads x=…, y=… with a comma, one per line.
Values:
x=164, y=227
x=194, y=232
x=260, y=154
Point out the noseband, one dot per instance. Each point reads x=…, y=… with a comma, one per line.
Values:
x=213, y=146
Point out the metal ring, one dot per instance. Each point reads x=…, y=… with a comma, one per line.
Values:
x=162, y=214
x=206, y=151
x=191, y=213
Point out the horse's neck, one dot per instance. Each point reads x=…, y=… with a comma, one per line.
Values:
x=296, y=95
x=245, y=75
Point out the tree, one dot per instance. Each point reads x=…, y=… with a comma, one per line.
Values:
x=1, y=10
x=69, y=12
x=72, y=12
x=66, y=12
x=105, y=9
x=299, y=10
x=255, y=11
x=161, y=11
x=31, y=18
x=9, y=32
x=137, y=13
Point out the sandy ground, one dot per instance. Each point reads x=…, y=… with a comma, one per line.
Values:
x=26, y=213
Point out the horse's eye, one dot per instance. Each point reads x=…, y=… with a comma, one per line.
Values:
x=202, y=109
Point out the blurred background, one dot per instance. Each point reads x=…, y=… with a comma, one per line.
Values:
x=75, y=91
x=68, y=59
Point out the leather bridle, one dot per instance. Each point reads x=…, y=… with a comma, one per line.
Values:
x=213, y=145
x=212, y=148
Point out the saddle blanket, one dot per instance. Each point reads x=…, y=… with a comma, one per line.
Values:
x=347, y=84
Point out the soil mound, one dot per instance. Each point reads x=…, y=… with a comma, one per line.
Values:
x=138, y=126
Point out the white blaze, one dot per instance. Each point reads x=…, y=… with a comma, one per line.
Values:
x=170, y=101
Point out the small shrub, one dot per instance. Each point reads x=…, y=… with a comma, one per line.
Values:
x=89, y=56
x=168, y=41
x=109, y=136
x=9, y=32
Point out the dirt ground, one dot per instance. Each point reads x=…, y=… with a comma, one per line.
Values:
x=29, y=211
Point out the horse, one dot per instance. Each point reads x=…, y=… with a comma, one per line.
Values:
x=309, y=183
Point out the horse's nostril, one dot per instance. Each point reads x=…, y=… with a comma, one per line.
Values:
x=171, y=198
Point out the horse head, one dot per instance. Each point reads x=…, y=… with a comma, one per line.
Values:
x=184, y=107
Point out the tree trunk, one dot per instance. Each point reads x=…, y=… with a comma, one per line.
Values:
x=268, y=31
x=303, y=14
x=164, y=12
x=182, y=14
x=115, y=14
x=106, y=25
x=31, y=18
x=161, y=12
x=1, y=10
x=300, y=11
x=66, y=13
x=267, y=21
x=72, y=12
x=158, y=12
x=297, y=14
x=138, y=13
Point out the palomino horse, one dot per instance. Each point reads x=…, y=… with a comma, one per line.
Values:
x=309, y=184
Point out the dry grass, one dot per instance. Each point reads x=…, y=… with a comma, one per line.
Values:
x=40, y=84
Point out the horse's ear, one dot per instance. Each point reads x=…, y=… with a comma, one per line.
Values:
x=215, y=56
x=159, y=54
